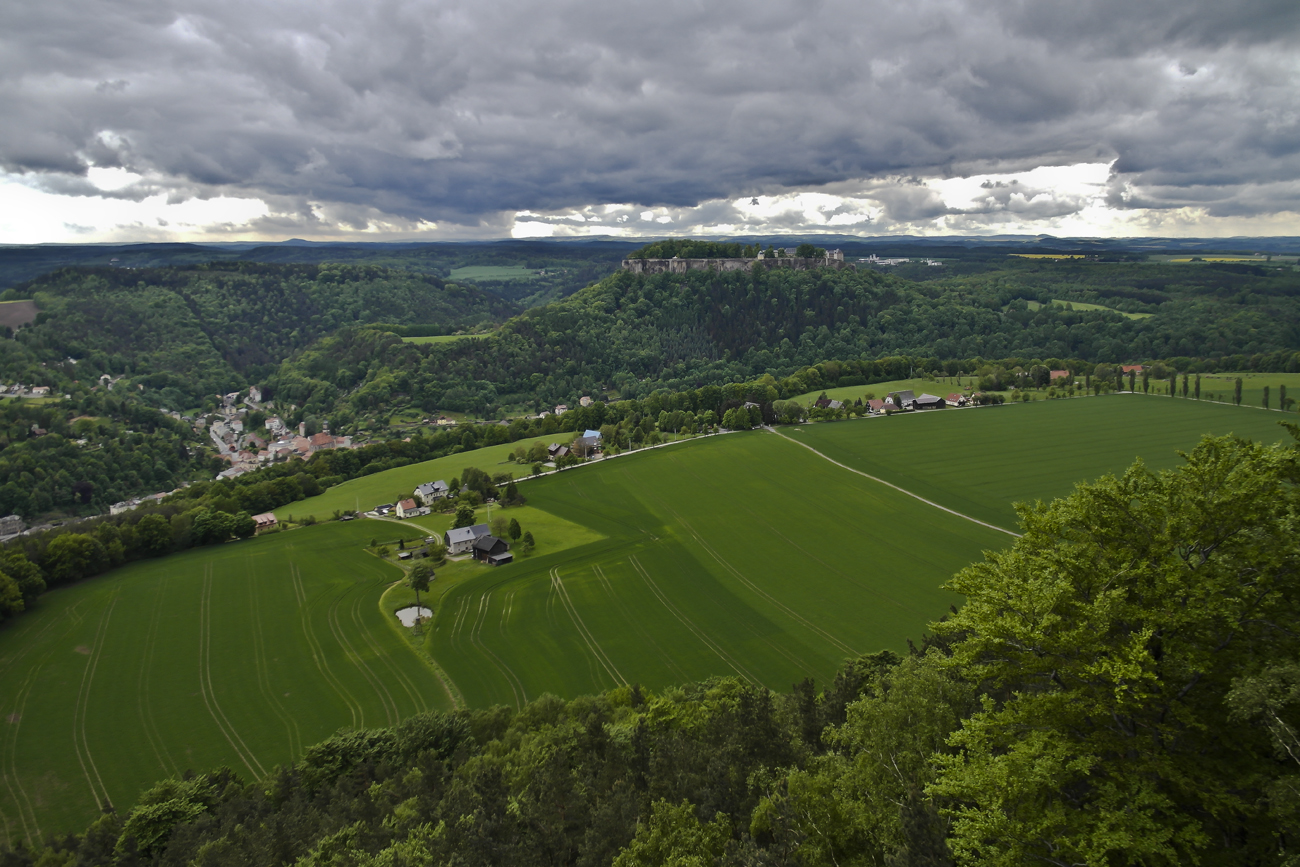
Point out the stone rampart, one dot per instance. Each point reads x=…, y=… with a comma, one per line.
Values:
x=681, y=266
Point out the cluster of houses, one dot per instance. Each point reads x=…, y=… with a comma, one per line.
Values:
x=900, y=400
x=148, y=500
x=19, y=389
x=479, y=542
x=585, y=446
x=248, y=451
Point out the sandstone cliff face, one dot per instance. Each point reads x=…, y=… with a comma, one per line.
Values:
x=681, y=266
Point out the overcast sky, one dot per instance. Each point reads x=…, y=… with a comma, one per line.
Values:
x=368, y=119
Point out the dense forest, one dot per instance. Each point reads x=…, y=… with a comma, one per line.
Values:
x=1061, y=716
x=632, y=334
x=189, y=332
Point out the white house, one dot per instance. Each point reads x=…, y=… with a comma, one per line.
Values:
x=431, y=492
x=461, y=541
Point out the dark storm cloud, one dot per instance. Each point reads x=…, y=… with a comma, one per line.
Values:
x=458, y=111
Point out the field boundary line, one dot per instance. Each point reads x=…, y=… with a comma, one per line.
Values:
x=318, y=653
x=264, y=670
x=142, y=703
x=592, y=644
x=689, y=624
x=340, y=635
x=417, y=701
x=636, y=624
x=475, y=637
x=205, y=680
x=892, y=485
x=79, y=740
x=422, y=652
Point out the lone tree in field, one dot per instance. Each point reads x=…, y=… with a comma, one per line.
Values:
x=514, y=530
x=421, y=575
x=1236, y=392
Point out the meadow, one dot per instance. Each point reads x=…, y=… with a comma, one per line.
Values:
x=442, y=338
x=493, y=272
x=388, y=486
x=1252, y=387
x=980, y=460
x=239, y=655
x=737, y=555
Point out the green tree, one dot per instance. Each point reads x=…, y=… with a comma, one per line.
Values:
x=675, y=837
x=514, y=530
x=1197, y=391
x=1107, y=638
x=1236, y=391
x=806, y=251
x=73, y=556
x=528, y=542
x=11, y=597
x=153, y=535
x=464, y=516
x=421, y=575
x=1266, y=397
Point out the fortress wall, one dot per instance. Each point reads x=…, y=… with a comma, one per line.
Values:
x=681, y=266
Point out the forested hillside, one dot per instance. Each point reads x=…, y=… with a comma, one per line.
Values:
x=633, y=334
x=206, y=329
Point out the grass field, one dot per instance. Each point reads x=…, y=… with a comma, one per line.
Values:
x=367, y=492
x=942, y=387
x=239, y=655
x=1083, y=305
x=738, y=555
x=443, y=338
x=1252, y=387
x=979, y=461
x=493, y=272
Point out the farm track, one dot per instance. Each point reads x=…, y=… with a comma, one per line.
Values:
x=80, y=742
x=590, y=640
x=636, y=623
x=350, y=652
x=895, y=487
x=685, y=621
x=206, y=687
x=318, y=654
x=476, y=638
x=142, y=687
x=398, y=676
x=264, y=669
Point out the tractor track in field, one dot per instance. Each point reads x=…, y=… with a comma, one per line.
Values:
x=895, y=487
x=143, y=705
x=636, y=624
x=264, y=669
x=592, y=644
x=318, y=653
x=507, y=608
x=80, y=741
x=350, y=652
x=413, y=693
x=206, y=687
x=685, y=621
x=476, y=638
x=458, y=622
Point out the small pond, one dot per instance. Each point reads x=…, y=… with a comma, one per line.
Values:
x=407, y=615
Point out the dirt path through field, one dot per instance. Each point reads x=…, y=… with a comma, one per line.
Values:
x=895, y=487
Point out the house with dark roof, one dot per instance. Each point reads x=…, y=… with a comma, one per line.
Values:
x=461, y=540
x=928, y=401
x=901, y=399
x=585, y=447
x=491, y=550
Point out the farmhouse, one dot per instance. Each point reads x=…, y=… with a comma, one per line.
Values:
x=876, y=405
x=408, y=508
x=955, y=400
x=585, y=447
x=461, y=540
x=928, y=401
x=901, y=399
x=265, y=521
x=431, y=492
x=492, y=551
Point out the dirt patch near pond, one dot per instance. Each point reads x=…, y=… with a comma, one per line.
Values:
x=15, y=314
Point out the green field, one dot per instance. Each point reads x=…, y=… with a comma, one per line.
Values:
x=493, y=272
x=740, y=555
x=1252, y=387
x=943, y=386
x=388, y=486
x=981, y=460
x=239, y=655
x=1082, y=305
x=443, y=338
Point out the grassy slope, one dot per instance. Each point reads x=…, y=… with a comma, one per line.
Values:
x=942, y=387
x=741, y=554
x=492, y=272
x=238, y=655
x=369, y=491
x=979, y=461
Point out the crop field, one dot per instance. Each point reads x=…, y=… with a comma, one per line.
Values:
x=239, y=655
x=979, y=461
x=737, y=555
x=1252, y=387
x=493, y=272
x=385, y=487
